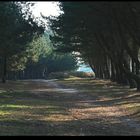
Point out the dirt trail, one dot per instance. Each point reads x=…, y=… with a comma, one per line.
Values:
x=111, y=111
x=70, y=107
x=59, y=88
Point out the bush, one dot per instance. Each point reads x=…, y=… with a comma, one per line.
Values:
x=62, y=75
x=83, y=74
x=58, y=75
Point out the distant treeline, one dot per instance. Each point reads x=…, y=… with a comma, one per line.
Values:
x=25, y=48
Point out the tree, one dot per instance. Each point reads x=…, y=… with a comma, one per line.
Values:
x=39, y=60
x=105, y=34
x=17, y=29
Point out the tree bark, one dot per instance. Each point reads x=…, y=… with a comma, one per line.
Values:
x=4, y=70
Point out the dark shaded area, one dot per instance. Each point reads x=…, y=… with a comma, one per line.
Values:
x=106, y=34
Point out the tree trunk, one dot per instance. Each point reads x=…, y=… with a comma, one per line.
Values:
x=112, y=72
x=4, y=70
x=137, y=68
x=133, y=66
x=107, y=71
x=138, y=86
x=132, y=83
x=130, y=75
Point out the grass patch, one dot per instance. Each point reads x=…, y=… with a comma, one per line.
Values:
x=3, y=113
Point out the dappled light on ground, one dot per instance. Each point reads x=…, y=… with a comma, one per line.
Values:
x=68, y=107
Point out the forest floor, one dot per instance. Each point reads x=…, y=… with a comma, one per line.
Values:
x=72, y=107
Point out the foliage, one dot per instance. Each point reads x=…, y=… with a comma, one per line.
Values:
x=63, y=75
x=51, y=62
x=106, y=36
x=39, y=59
x=60, y=62
x=17, y=30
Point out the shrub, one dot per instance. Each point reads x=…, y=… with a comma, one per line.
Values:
x=83, y=74
x=58, y=75
x=61, y=75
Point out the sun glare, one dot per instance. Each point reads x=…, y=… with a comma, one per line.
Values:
x=46, y=9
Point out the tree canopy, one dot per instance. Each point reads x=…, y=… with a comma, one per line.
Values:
x=105, y=33
x=17, y=30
